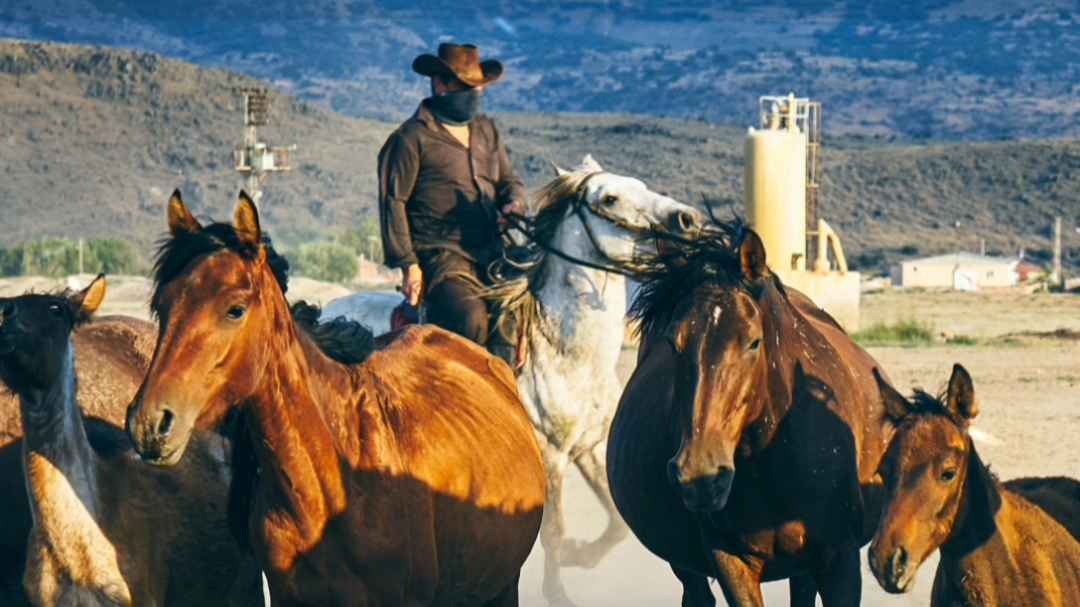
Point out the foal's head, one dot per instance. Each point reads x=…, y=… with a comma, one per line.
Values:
x=35, y=332
x=706, y=304
x=222, y=313
x=924, y=469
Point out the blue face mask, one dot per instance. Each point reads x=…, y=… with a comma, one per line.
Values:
x=456, y=109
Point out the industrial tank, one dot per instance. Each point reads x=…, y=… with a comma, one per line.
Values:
x=775, y=186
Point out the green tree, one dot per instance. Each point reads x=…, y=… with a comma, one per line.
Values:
x=11, y=262
x=112, y=256
x=328, y=261
x=366, y=240
x=51, y=257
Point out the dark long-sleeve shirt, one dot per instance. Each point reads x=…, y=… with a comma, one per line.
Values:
x=436, y=194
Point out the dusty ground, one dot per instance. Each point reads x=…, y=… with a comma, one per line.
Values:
x=1028, y=389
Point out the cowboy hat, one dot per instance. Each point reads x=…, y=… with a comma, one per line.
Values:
x=461, y=61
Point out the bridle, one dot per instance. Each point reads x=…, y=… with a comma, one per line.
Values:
x=580, y=207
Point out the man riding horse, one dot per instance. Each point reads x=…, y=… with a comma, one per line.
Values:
x=445, y=185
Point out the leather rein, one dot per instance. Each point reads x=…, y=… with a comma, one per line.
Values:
x=580, y=207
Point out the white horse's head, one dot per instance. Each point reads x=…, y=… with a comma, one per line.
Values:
x=607, y=219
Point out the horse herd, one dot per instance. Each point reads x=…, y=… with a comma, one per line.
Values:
x=245, y=437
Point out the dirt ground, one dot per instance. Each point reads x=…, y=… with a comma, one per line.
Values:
x=1028, y=389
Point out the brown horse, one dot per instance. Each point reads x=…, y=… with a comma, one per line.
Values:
x=410, y=478
x=112, y=354
x=996, y=547
x=107, y=529
x=748, y=433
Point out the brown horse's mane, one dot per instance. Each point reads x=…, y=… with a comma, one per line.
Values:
x=341, y=340
x=712, y=260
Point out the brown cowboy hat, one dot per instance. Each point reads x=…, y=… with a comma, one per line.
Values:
x=461, y=61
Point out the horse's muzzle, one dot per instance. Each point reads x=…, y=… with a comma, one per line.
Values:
x=894, y=572
x=704, y=493
x=152, y=438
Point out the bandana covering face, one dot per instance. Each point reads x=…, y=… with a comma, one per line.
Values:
x=456, y=109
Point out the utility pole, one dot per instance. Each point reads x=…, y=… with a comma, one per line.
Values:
x=255, y=158
x=1055, y=276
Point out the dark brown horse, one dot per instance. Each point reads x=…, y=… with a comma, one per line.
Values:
x=107, y=529
x=112, y=354
x=749, y=431
x=410, y=478
x=997, y=548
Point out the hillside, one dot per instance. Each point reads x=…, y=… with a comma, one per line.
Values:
x=921, y=69
x=93, y=140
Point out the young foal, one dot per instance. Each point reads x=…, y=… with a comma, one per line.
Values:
x=996, y=547
x=108, y=530
x=410, y=478
x=111, y=357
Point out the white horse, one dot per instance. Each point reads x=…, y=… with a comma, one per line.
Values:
x=574, y=334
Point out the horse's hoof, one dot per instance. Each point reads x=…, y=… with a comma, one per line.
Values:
x=560, y=601
x=580, y=553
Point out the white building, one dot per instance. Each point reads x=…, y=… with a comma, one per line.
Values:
x=960, y=271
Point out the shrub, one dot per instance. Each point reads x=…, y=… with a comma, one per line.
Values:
x=904, y=333
x=327, y=261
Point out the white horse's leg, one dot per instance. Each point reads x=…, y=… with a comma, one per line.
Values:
x=581, y=553
x=553, y=527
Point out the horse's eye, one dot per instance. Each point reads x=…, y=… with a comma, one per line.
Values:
x=948, y=475
x=754, y=345
x=56, y=310
x=235, y=312
x=610, y=200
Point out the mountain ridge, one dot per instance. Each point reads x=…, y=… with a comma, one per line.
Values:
x=930, y=69
x=92, y=140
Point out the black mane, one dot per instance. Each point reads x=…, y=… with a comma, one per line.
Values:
x=711, y=259
x=176, y=252
x=341, y=340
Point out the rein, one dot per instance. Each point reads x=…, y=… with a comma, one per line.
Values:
x=520, y=223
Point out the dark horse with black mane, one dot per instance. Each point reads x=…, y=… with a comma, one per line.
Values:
x=403, y=475
x=746, y=443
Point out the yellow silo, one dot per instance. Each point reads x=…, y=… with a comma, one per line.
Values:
x=777, y=182
x=775, y=185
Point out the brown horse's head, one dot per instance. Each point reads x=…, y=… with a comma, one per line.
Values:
x=706, y=305
x=218, y=296
x=924, y=469
x=35, y=334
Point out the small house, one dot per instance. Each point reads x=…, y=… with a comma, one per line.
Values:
x=960, y=271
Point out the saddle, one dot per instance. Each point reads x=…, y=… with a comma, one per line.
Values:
x=404, y=315
x=515, y=261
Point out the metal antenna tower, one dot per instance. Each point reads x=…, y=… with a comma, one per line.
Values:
x=255, y=159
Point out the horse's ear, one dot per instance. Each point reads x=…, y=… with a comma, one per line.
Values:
x=87, y=301
x=246, y=221
x=559, y=171
x=961, y=399
x=181, y=221
x=752, y=254
x=896, y=406
x=591, y=163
